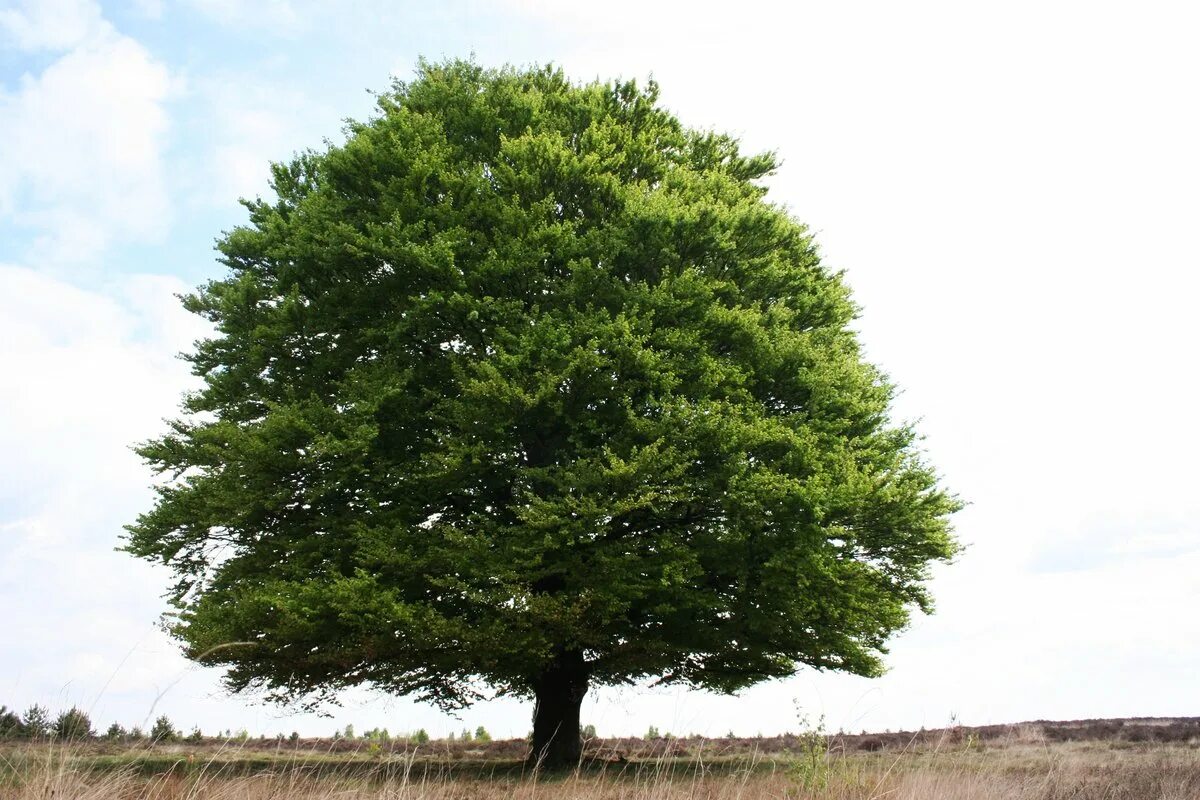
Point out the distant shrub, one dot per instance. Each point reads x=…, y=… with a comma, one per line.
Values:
x=10, y=724
x=652, y=733
x=163, y=731
x=588, y=732
x=136, y=734
x=115, y=732
x=72, y=725
x=811, y=767
x=36, y=722
x=295, y=737
x=196, y=736
x=481, y=734
x=378, y=735
x=421, y=736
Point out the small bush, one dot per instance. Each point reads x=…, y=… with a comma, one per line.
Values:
x=115, y=732
x=73, y=725
x=163, y=731
x=481, y=734
x=10, y=724
x=588, y=732
x=421, y=736
x=378, y=735
x=36, y=722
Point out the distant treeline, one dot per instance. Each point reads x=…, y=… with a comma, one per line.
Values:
x=37, y=723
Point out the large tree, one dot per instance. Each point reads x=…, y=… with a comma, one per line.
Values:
x=527, y=386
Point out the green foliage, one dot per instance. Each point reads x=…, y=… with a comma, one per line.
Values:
x=73, y=724
x=378, y=735
x=196, y=736
x=526, y=367
x=588, y=732
x=481, y=734
x=421, y=736
x=652, y=733
x=36, y=722
x=136, y=734
x=10, y=724
x=811, y=767
x=163, y=731
x=349, y=733
x=115, y=732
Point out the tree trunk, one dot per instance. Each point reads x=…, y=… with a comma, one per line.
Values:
x=559, y=693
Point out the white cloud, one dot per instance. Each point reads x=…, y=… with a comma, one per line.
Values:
x=254, y=124
x=150, y=9
x=82, y=145
x=86, y=374
x=276, y=16
x=53, y=24
x=253, y=132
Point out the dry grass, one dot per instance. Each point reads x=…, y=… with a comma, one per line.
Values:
x=1023, y=768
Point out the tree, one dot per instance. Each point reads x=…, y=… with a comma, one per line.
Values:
x=527, y=386
x=10, y=724
x=73, y=724
x=163, y=730
x=36, y=722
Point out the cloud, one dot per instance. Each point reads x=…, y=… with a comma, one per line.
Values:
x=53, y=24
x=277, y=16
x=1121, y=536
x=253, y=124
x=83, y=141
x=87, y=373
x=150, y=9
x=253, y=132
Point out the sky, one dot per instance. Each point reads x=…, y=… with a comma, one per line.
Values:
x=1010, y=188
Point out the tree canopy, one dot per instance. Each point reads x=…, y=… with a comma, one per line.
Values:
x=527, y=386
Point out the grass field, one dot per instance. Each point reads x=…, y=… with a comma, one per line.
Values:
x=1020, y=762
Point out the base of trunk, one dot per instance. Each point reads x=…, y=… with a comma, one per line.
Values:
x=559, y=695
